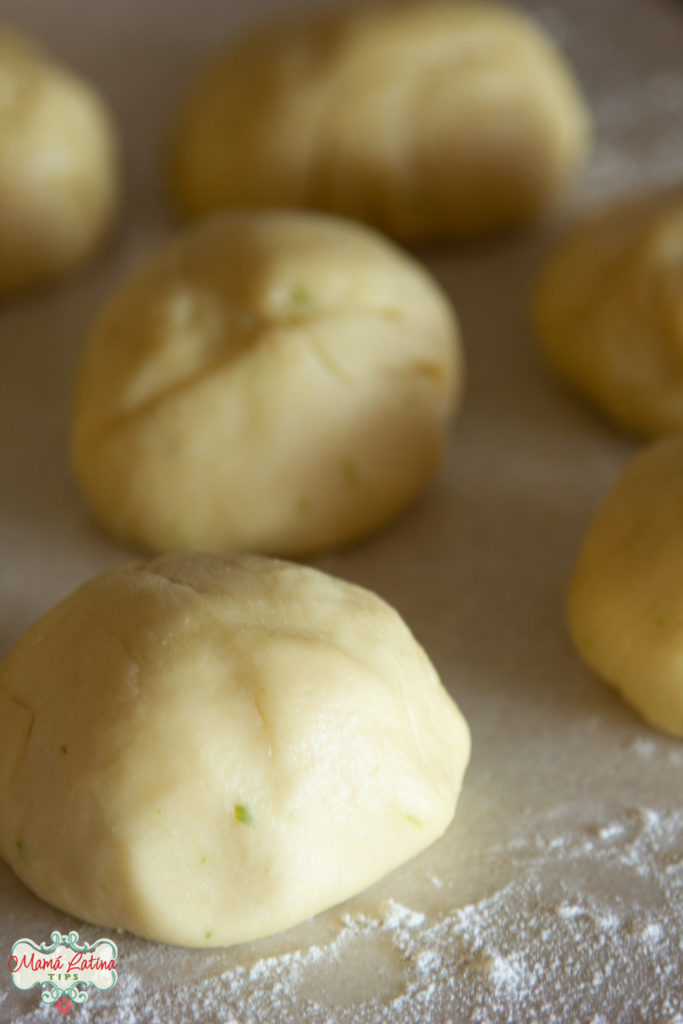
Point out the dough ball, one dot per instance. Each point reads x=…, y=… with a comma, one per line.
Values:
x=58, y=166
x=626, y=602
x=429, y=120
x=272, y=381
x=609, y=313
x=207, y=750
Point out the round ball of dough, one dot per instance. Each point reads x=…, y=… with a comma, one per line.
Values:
x=609, y=313
x=207, y=750
x=626, y=601
x=429, y=120
x=58, y=166
x=272, y=381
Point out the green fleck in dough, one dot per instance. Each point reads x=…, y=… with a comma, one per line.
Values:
x=659, y=621
x=243, y=814
x=176, y=535
x=63, y=748
x=202, y=860
x=207, y=935
x=414, y=820
x=351, y=474
x=300, y=294
x=304, y=506
x=20, y=845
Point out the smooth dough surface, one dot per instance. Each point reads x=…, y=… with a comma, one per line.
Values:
x=207, y=750
x=271, y=381
x=609, y=313
x=428, y=120
x=626, y=600
x=59, y=175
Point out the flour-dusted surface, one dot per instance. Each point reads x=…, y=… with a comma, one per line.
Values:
x=588, y=928
x=557, y=895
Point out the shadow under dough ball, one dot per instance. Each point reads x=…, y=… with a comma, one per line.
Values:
x=429, y=120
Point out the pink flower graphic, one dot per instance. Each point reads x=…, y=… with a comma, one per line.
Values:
x=64, y=1005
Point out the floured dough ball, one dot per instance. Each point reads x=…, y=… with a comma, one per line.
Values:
x=58, y=166
x=207, y=750
x=272, y=381
x=609, y=313
x=429, y=120
x=626, y=602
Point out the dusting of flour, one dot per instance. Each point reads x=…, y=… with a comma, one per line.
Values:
x=589, y=929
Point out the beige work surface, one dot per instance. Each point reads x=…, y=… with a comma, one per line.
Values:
x=557, y=894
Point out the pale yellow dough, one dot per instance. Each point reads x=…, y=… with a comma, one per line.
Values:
x=207, y=750
x=429, y=120
x=59, y=176
x=626, y=601
x=271, y=381
x=609, y=313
